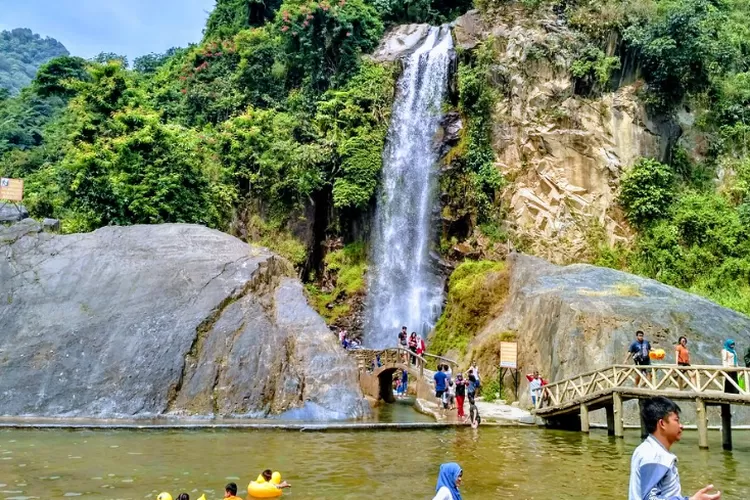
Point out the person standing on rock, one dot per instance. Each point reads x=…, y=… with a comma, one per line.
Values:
x=640, y=351
x=405, y=382
x=653, y=468
x=460, y=394
x=535, y=386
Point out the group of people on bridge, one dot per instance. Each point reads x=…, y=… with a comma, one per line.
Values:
x=641, y=352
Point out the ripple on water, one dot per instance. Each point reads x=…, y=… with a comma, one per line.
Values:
x=72, y=494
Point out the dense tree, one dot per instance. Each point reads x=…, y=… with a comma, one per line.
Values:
x=21, y=54
x=229, y=17
x=57, y=76
x=149, y=63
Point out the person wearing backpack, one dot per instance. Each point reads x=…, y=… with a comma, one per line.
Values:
x=639, y=350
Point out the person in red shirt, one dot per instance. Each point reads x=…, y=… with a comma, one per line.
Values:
x=461, y=384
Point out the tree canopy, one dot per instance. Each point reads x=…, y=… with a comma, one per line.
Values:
x=21, y=54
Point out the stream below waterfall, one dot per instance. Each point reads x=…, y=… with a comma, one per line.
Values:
x=498, y=462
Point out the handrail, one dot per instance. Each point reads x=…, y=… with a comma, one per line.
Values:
x=697, y=379
x=427, y=354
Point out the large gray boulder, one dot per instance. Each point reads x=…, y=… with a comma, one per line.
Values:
x=164, y=319
x=10, y=213
x=573, y=319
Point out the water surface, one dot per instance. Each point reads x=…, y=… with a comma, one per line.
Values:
x=498, y=463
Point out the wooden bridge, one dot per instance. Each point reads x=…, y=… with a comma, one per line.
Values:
x=567, y=403
x=376, y=368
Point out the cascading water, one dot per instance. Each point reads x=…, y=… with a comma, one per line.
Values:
x=403, y=286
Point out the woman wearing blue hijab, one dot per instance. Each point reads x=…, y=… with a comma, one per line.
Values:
x=449, y=479
x=729, y=359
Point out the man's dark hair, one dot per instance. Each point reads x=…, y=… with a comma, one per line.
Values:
x=655, y=409
x=183, y=496
x=231, y=488
x=403, y=328
x=267, y=474
x=639, y=332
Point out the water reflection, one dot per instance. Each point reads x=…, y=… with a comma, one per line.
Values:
x=498, y=463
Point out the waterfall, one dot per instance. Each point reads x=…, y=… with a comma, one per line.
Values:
x=403, y=285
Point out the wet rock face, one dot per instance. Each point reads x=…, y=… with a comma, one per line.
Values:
x=168, y=319
x=400, y=41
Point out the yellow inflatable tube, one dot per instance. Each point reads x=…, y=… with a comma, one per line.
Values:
x=260, y=488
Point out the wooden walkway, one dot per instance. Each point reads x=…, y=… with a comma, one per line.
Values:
x=567, y=403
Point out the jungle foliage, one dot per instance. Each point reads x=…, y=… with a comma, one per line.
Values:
x=21, y=54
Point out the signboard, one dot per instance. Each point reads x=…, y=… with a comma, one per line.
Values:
x=508, y=355
x=11, y=189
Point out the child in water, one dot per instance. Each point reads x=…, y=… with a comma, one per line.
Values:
x=474, y=417
x=230, y=492
x=268, y=475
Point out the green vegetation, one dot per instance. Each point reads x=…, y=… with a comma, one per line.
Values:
x=277, y=239
x=274, y=108
x=646, y=192
x=343, y=282
x=475, y=289
x=473, y=180
x=21, y=54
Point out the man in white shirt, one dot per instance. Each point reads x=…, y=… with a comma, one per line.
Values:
x=653, y=468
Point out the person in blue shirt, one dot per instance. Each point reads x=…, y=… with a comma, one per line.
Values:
x=639, y=350
x=441, y=384
x=653, y=468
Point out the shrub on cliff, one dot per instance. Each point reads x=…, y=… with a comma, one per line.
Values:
x=647, y=191
x=474, y=290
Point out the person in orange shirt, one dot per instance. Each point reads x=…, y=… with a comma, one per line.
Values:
x=682, y=357
x=230, y=492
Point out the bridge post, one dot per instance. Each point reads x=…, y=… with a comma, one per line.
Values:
x=701, y=423
x=610, y=420
x=619, y=424
x=726, y=427
x=584, y=418
x=644, y=430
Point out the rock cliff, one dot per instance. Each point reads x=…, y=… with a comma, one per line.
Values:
x=561, y=150
x=166, y=319
x=573, y=319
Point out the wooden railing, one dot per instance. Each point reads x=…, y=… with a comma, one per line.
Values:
x=369, y=359
x=695, y=380
x=441, y=359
